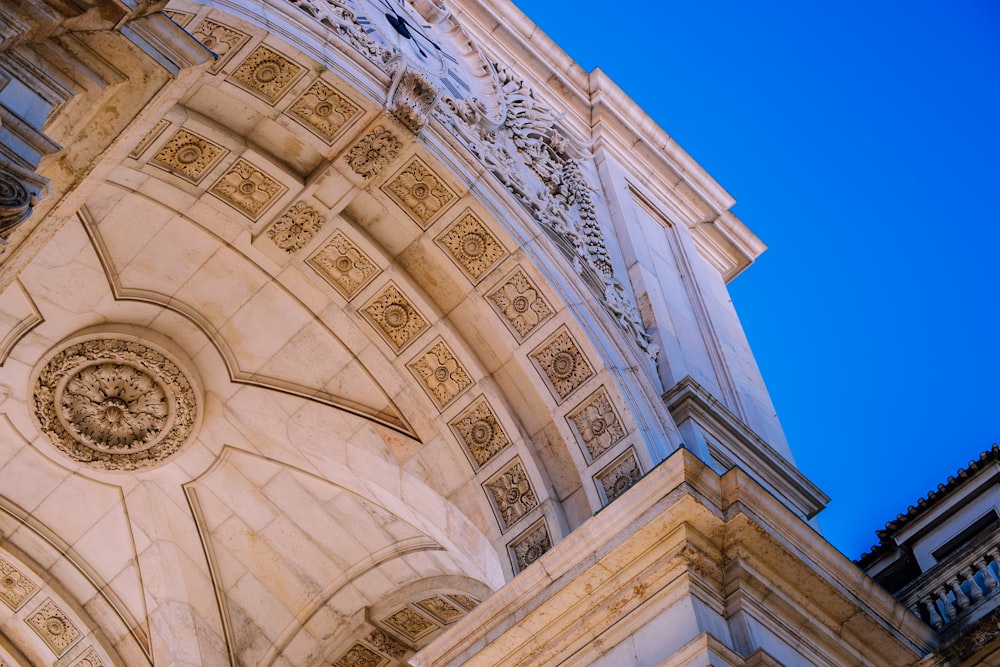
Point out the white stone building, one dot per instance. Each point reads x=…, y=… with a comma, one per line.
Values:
x=369, y=332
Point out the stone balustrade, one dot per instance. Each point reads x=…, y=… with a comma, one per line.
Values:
x=955, y=587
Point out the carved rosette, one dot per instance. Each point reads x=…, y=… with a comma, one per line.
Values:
x=221, y=40
x=15, y=588
x=114, y=404
x=441, y=609
x=360, y=655
x=324, y=110
x=267, y=73
x=395, y=317
x=89, y=659
x=472, y=245
x=247, y=188
x=619, y=477
x=512, y=494
x=54, y=627
x=420, y=193
x=562, y=362
x=530, y=545
x=412, y=624
x=597, y=424
x=374, y=152
x=480, y=430
x=441, y=373
x=344, y=265
x=521, y=304
x=296, y=227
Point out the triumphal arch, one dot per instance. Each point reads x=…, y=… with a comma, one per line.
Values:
x=377, y=332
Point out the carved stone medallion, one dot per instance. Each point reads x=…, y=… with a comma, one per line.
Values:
x=114, y=404
x=441, y=609
x=412, y=624
x=267, y=73
x=344, y=265
x=520, y=303
x=511, y=493
x=395, y=317
x=481, y=432
x=54, y=627
x=360, y=655
x=247, y=188
x=293, y=230
x=562, y=362
x=374, y=152
x=530, y=545
x=619, y=477
x=90, y=658
x=15, y=588
x=324, y=111
x=472, y=245
x=597, y=424
x=221, y=40
x=420, y=193
x=188, y=155
x=441, y=373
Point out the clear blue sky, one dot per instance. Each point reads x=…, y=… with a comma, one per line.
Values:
x=861, y=142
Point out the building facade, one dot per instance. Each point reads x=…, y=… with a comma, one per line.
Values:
x=368, y=333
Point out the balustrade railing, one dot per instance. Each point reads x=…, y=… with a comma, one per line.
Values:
x=956, y=586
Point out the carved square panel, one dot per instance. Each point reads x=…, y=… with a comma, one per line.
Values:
x=410, y=623
x=419, y=192
x=441, y=609
x=344, y=265
x=562, y=364
x=15, y=588
x=188, y=155
x=267, y=73
x=90, y=658
x=394, y=317
x=180, y=18
x=373, y=152
x=619, y=476
x=247, y=189
x=220, y=39
x=472, y=245
x=386, y=644
x=511, y=494
x=54, y=627
x=360, y=655
x=296, y=227
x=480, y=432
x=520, y=304
x=596, y=423
x=149, y=138
x=325, y=111
x=469, y=603
x=530, y=545
x=441, y=374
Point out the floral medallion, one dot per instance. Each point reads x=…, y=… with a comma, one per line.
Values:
x=374, y=152
x=619, y=477
x=324, y=111
x=472, y=245
x=442, y=375
x=530, y=545
x=420, y=193
x=597, y=424
x=247, y=188
x=344, y=265
x=114, y=404
x=520, y=303
x=481, y=432
x=296, y=227
x=563, y=364
x=511, y=493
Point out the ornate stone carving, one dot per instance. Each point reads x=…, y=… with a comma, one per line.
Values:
x=149, y=138
x=480, y=430
x=338, y=16
x=619, y=477
x=441, y=373
x=562, y=362
x=180, y=18
x=221, y=40
x=395, y=317
x=420, y=193
x=386, y=644
x=411, y=96
x=54, y=627
x=520, y=303
x=472, y=245
x=375, y=150
x=344, y=265
x=188, y=155
x=464, y=600
x=247, y=188
x=412, y=624
x=114, y=404
x=15, y=588
x=542, y=169
x=511, y=493
x=597, y=423
x=324, y=110
x=530, y=545
x=293, y=230
x=90, y=658
x=441, y=609
x=360, y=655
x=267, y=73
x=16, y=202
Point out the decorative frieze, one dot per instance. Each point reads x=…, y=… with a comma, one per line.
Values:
x=360, y=655
x=442, y=375
x=419, y=192
x=325, y=111
x=293, y=230
x=344, y=265
x=562, y=363
x=15, y=588
x=472, y=245
x=90, y=658
x=520, y=303
x=247, y=188
x=267, y=73
x=530, y=545
x=220, y=39
x=511, y=493
x=373, y=152
x=441, y=609
x=480, y=432
x=54, y=627
x=410, y=623
x=619, y=477
x=188, y=155
x=395, y=317
x=114, y=404
x=597, y=424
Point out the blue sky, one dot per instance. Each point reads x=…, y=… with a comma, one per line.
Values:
x=860, y=141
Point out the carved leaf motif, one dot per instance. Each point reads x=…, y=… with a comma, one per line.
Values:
x=481, y=432
x=512, y=494
x=563, y=364
x=324, y=110
x=267, y=73
x=54, y=627
x=247, y=188
x=296, y=227
x=375, y=150
x=441, y=373
x=344, y=264
x=530, y=546
x=597, y=424
x=620, y=476
x=472, y=245
x=520, y=303
x=396, y=318
x=420, y=193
